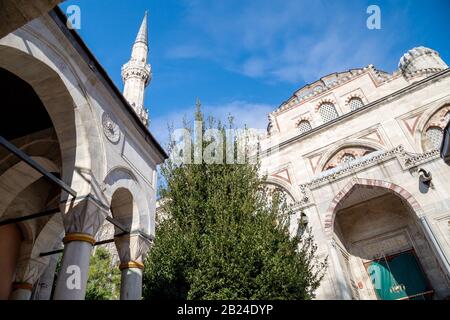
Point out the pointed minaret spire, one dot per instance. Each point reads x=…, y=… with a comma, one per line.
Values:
x=143, y=31
x=137, y=73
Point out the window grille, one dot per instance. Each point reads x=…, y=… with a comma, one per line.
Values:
x=355, y=103
x=328, y=112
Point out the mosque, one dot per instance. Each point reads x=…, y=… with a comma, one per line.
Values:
x=357, y=154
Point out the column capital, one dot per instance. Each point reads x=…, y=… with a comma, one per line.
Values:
x=132, y=249
x=28, y=271
x=83, y=216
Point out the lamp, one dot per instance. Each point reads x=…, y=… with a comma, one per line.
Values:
x=425, y=177
x=302, y=223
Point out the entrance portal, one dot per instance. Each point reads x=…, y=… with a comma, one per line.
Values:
x=399, y=277
x=382, y=249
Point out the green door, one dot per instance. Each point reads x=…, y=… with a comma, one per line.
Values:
x=398, y=277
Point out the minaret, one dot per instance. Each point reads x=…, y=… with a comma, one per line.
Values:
x=137, y=73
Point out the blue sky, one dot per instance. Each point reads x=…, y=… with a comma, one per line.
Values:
x=246, y=57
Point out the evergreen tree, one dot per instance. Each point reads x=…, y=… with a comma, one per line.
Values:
x=104, y=278
x=225, y=235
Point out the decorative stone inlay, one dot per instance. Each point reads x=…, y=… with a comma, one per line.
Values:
x=283, y=175
x=411, y=123
x=110, y=128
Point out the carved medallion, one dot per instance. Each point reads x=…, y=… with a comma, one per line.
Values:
x=110, y=128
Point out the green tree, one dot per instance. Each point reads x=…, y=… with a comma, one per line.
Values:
x=225, y=236
x=104, y=278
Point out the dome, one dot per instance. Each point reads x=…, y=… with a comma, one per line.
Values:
x=420, y=59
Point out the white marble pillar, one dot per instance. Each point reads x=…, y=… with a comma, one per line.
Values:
x=21, y=291
x=131, y=281
x=82, y=220
x=132, y=250
x=45, y=282
x=28, y=271
x=343, y=289
x=436, y=246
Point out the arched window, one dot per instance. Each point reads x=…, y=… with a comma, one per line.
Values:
x=355, y=103
x=347, y=158
x=346, y=155
x=328, y=112
x=434, y=137
x=304, y=126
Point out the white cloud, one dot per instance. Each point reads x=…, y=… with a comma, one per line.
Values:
x=288, y=41
x=186, y=51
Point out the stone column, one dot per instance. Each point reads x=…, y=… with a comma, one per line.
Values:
x=344, y=291
x=132, y=249
x=28, y=271
x=21, y=291
x=45, y=282
x=81, y=222
x=436, y=246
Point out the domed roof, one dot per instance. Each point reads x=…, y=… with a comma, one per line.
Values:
x=414, y=53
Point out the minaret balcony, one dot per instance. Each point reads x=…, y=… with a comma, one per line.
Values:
x=137, y=70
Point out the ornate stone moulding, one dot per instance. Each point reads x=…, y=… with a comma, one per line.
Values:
x=408, y=161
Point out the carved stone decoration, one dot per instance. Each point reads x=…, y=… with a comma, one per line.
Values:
x=110, y=128
x=84, y=216
x=407, y=161
x=132, y=247
x=30, y=270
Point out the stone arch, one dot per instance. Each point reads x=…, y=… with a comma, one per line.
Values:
x=10, y=241
x=40, y=234
x=43, y=68
x=50, y=235
x=329, y=100
x=284, y=186
x=303, y=126
x=18, y=177
x=123, y=208
x=400, y=192
x=347, y=144
x=47, y=148
x=123, y=178
x=354, y=95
